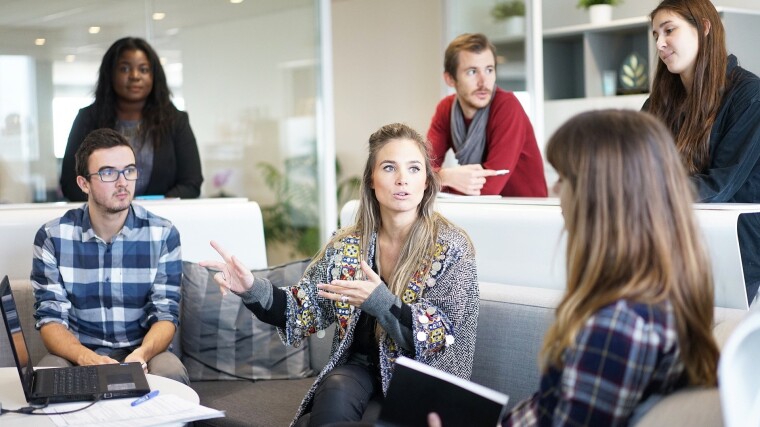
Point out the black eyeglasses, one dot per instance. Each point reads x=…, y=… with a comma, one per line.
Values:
x=112, y=174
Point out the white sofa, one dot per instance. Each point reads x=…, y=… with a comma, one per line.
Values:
x=236, y=223
x=520, y=254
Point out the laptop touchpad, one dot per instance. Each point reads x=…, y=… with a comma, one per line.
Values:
x=118, y=382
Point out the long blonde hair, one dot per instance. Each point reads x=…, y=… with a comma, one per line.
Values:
x=631, y=232
x=422, y=238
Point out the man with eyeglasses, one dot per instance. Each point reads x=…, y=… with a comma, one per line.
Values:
x=106, y=276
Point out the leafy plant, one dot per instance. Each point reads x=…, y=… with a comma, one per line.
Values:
x=507, y=9
x=585, y=4
x=293, y=219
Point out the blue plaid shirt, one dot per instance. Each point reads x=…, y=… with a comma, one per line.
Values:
x=107, y=295
x=624, y=353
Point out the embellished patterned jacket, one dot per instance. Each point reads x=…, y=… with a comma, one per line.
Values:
x=444, y=307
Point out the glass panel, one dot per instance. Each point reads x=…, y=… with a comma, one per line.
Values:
x=247, y=74
x=501, y=22
x=15, y=127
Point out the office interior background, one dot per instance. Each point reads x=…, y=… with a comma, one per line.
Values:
x=280, y=91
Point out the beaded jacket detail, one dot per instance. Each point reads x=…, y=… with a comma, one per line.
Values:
x=443, y=296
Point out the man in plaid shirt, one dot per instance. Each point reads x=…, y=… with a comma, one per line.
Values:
x=106, y=276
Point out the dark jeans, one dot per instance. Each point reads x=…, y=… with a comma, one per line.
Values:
x=344, y=395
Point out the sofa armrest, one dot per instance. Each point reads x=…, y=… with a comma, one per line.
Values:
x=725, y=321
x=689, y=407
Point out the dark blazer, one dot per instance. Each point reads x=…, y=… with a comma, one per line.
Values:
x=733, y=175
x=176, y=162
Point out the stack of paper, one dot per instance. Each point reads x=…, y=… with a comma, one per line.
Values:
x=162, y=409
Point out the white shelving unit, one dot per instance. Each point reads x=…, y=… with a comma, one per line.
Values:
x=511, y=69
x=575, y=58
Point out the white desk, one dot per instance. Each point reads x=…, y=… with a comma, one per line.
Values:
x=12, y=397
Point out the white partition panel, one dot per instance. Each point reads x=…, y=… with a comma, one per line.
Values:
x=521, y=242
x=235, y=223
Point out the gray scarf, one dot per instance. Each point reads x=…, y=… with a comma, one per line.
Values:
x=469, y=143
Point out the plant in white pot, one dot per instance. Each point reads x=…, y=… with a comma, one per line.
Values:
x=512, y=13
x=600, y=11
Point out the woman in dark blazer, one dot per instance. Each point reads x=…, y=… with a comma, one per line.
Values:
x=132, y=96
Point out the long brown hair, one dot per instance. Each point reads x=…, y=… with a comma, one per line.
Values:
x=631, y=232
x=691, y=114
x=422, y=238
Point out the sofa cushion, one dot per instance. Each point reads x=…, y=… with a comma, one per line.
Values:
x=222, y=340
x=511, y=327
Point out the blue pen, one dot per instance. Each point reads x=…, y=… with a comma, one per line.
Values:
x=145, y=398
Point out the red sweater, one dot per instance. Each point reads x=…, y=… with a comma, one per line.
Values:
x=510, y=144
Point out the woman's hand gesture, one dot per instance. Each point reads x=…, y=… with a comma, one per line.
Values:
x=353, y=292
x=233, y=275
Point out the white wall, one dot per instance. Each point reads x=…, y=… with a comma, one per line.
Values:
x=388, y=67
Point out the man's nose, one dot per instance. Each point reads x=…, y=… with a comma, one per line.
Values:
x=121, y=179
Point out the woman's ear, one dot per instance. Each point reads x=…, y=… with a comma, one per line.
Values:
x=707, y=25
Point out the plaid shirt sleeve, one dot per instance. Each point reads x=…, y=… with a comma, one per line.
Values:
x=165, y=292
x=604, y=374
x=51, y=299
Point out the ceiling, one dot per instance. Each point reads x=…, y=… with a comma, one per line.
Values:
x=64, y=23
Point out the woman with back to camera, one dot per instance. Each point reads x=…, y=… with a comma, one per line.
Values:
x=132, y=96
x=636, y=319
x=401, y=281
x=712, y=107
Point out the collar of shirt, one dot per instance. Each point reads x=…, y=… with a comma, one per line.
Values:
x=88, y=233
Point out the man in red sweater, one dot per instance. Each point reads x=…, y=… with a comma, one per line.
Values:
x=485, y=126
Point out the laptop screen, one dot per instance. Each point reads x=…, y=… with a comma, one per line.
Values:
x=16, y=336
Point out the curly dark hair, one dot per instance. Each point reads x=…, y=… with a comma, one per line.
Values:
x=157, y=113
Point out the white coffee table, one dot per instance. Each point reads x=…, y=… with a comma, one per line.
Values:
x=12, y=397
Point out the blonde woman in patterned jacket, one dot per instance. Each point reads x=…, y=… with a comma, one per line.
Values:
x=400, y=281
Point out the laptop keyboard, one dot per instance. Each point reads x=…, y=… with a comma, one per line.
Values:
x=75, y=380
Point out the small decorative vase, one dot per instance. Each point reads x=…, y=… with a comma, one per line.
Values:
x=514, y=25
x=600, y=13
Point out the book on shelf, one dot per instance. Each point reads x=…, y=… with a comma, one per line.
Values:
x=417, y=389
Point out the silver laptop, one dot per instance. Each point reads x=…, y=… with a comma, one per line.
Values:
x=75, y=383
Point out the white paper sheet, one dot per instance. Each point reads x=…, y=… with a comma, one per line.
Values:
x=162, y=409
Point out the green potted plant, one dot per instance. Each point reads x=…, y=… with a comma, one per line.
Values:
x=291, y=222
x=600, y=11
x=512, y=13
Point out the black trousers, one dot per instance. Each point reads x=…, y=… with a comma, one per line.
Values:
x=344, y=395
